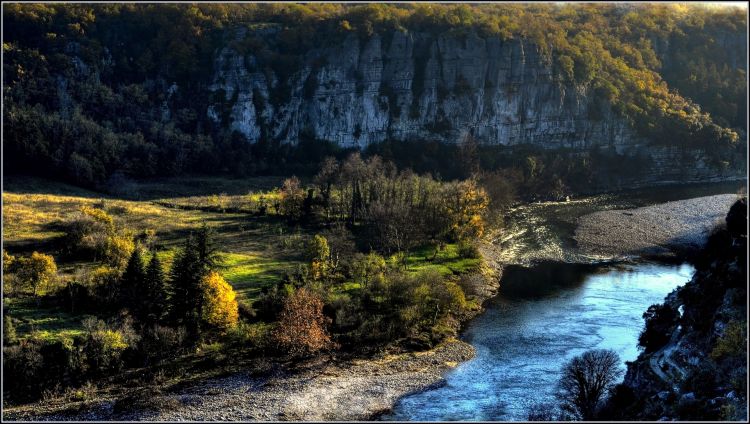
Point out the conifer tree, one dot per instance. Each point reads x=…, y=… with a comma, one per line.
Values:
x=154, y=291
x=199, y=257
x=208, y=253
x=131, y=283
x=185, y=300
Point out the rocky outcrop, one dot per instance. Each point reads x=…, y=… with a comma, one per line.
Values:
x=699, y=372
x=415, y=86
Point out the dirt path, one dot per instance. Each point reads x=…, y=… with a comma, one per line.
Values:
x=661, y=360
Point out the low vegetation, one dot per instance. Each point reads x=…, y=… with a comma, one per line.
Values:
x=359, y=258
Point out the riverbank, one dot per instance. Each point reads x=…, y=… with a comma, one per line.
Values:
x=322, y=388
x=330, y=388
x=662, y=230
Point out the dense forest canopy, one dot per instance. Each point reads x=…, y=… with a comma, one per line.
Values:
x=88, y=88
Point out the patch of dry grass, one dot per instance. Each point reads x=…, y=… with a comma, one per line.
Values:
x=257, y=251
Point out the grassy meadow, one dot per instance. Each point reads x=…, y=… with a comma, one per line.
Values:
x=256, y=250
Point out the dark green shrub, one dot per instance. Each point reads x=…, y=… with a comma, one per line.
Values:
x=251, y=337
x=23, y=367
x=160, y=342
x=9, y=331
x=63, y=362
x=103, y=347
x=270, y=301
x=660, y=322
x=468, y=249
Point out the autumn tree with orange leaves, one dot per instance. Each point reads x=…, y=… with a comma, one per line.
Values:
x=302, y=326
x=467, y=202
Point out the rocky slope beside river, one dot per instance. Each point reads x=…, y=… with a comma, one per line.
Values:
x=695, y=364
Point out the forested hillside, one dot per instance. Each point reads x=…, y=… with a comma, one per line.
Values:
x=94, y=91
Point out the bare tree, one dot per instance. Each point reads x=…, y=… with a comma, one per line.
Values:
x=585, y=380
x=545, y=412
x=325, y=179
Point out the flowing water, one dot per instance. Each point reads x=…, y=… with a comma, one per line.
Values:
x=529, y=331
x=549, y=309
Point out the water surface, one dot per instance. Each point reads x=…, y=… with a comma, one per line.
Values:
x=544, y=316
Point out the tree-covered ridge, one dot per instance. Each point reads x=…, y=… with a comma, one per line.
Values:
x=88, y=87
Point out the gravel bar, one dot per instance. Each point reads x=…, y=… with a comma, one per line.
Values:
x=320, y=389
x=662, y=229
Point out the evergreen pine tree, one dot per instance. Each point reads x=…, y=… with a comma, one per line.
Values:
x=199, y=257
x=155, y=290
x=131, y=283
x=208, y=253
x=185, y=276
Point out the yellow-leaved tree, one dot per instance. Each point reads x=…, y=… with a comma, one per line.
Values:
x=319, y=255
x=36, y=271
x=467, y=202
x=219, y=302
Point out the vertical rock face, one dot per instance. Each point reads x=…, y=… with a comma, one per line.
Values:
x=415, y=86
x=687, y=378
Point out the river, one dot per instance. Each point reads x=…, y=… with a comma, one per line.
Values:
x=553, y=304
x=526, y=335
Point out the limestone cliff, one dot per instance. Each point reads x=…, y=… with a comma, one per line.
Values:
x=415, y=86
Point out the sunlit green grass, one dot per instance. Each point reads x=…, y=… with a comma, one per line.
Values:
x=249, y=274
x=350, y=286
x=43, y=323
x=446, y=262
x=257, y=251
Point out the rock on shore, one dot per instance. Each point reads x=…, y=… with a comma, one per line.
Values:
x=661, y=229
